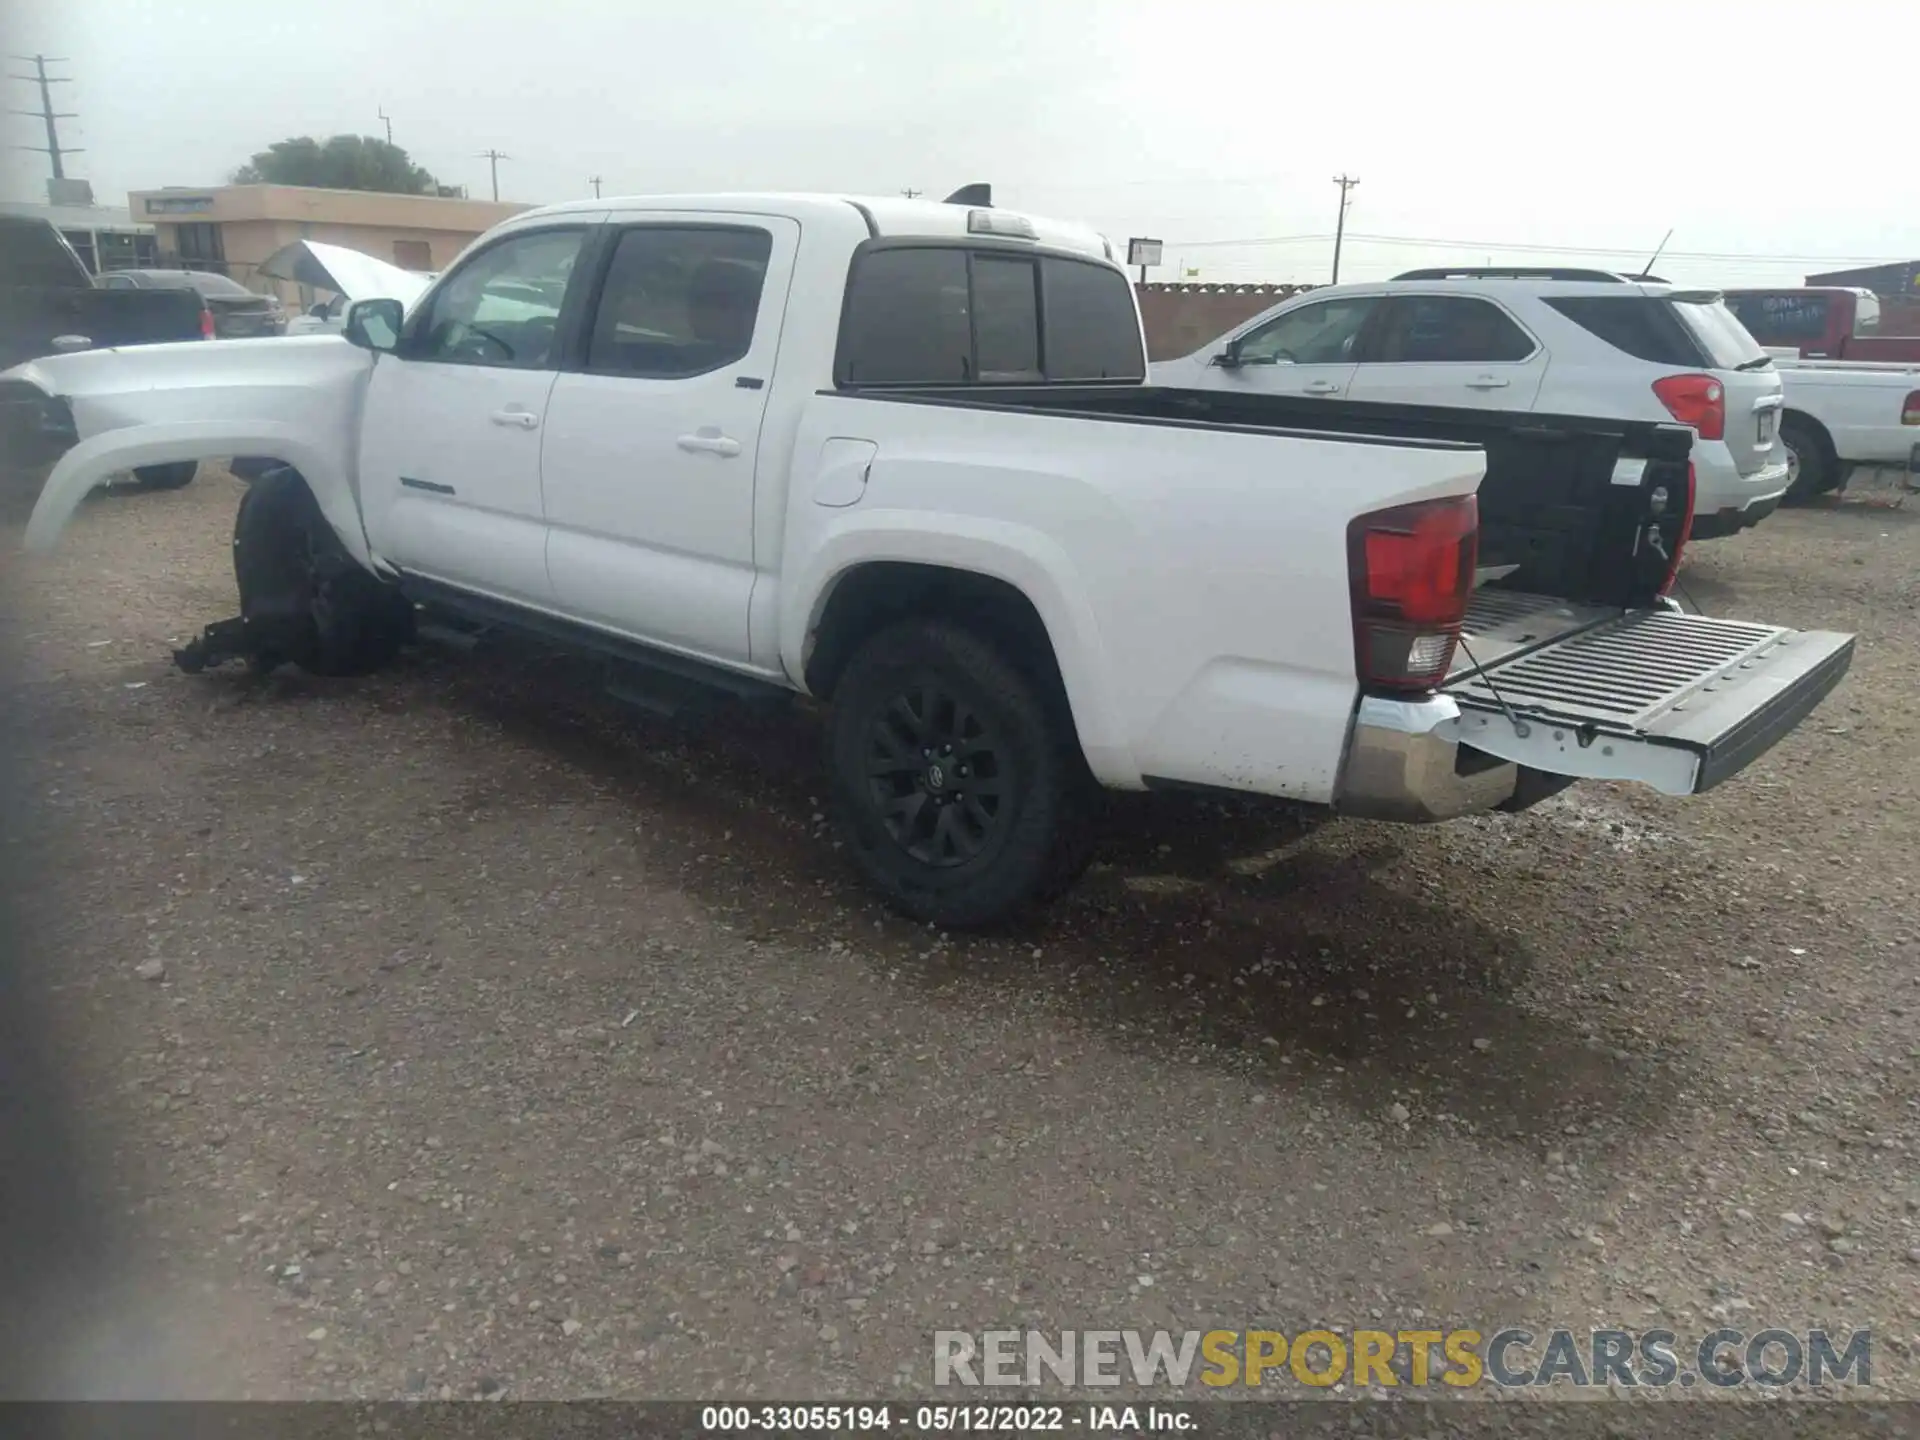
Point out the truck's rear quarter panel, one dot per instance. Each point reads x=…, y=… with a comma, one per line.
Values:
x=1193, y=580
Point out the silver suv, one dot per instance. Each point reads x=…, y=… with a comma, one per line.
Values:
x=1554, y=342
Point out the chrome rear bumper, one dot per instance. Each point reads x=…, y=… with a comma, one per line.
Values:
x=1403, y=764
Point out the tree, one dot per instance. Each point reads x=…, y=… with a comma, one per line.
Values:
x=342, y=162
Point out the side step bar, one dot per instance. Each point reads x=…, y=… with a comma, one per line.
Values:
x=653, y=680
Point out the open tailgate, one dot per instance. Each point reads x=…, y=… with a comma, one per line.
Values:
x=1678, y=702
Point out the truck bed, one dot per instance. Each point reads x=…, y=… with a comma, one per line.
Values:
x=1504, y=624
x=1563, y=507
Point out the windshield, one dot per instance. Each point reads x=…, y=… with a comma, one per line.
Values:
x=1727, y=343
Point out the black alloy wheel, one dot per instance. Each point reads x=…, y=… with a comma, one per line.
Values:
x=937, y=774
x=958, y=781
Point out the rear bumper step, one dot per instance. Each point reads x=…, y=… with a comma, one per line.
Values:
x=1678, y=702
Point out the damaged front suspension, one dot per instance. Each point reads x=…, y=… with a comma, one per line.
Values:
x=263, y=642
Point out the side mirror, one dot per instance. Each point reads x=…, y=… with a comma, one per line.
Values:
x=375, y=324
x=1229, y=358
x=318, y=311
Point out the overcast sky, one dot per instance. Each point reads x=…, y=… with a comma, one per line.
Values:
x=1474, y=126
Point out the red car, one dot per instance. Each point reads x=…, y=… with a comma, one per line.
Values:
x=1822, y=323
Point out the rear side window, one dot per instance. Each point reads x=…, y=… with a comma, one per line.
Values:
x=948, y=315
x=678, y=301
x=1447, y=329
x=1642, y=326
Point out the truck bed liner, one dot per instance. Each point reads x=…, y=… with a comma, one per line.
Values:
x=1502, y=624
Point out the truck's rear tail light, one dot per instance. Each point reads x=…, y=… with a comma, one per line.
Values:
x=206, y=324
x=1696, y=400
x=1411, y=573
x=1686, y=534
x=1910, y=409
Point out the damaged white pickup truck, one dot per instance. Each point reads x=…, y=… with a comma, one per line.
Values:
x=902, y=456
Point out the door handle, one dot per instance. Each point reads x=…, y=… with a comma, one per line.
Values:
x=1488, y=382
x=65, y=344
x=523, y=419
x=1320, y=387
x=708, y=442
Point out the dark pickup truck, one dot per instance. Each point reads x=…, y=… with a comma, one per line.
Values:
x=49, y=305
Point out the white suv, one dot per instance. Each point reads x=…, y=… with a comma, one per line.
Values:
x=1553, y=342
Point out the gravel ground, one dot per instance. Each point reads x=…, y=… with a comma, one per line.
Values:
x=457, y=1032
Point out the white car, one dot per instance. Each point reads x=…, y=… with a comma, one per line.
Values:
x=349, y=273
x=1845, y=415
x=1550, y=342
x=901, y=456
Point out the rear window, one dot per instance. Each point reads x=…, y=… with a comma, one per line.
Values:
x=1642, y=326
x=1093, y=330
x=220, y=285
x=949, y=315
x=1727, y=342
x=1782, y=319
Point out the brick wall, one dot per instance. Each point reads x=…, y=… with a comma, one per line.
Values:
x=1180, y=318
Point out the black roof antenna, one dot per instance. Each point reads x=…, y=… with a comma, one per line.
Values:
x=980, y=194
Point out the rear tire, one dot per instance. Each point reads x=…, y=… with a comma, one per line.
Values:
x=295, y=576
x=1815, y=470
x=174, y=475
x=959, y=789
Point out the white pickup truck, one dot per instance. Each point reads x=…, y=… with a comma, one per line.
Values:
x=901, y=456
x=1847, y=415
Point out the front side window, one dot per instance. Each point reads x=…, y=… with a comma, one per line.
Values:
x=501, y=308
x=679, y=301
x=1448, y=330
x=1323, y=333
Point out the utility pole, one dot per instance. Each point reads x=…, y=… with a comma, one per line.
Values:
x=911, y=193
x=388, y=119
x=1346, y=183
x=53, y=150
x=493, y=159
x=594, y=181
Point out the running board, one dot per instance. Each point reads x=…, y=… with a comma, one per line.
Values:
x=655, y=679
x=1677, y=702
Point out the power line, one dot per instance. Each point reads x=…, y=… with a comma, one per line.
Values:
x=1534, y=247
x=910, y=194
x=53, y=149
x=1346, y=183
x=387, y=120
x=493, y=159
x=594, y=181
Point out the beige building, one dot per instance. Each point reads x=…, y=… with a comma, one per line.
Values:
x=232, y=228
